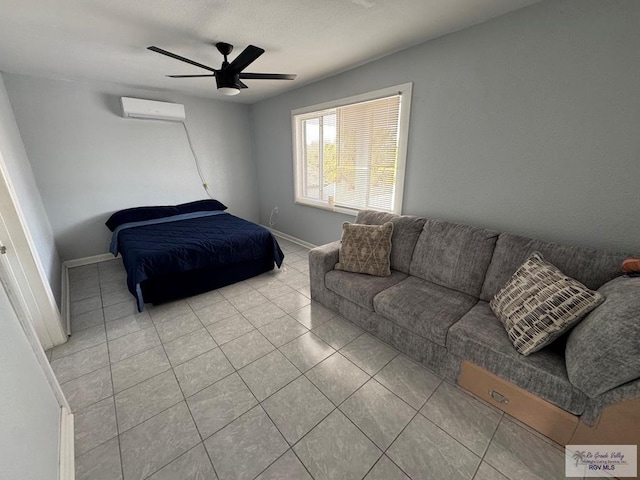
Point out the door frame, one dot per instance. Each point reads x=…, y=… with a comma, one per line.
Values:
x=27, y=267
x=66, y=453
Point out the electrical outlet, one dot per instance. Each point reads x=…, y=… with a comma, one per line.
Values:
x=275, y=210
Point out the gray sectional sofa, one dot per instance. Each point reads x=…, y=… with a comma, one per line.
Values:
x=434, y=307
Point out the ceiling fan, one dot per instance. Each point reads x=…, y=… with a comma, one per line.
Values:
x=229, y=75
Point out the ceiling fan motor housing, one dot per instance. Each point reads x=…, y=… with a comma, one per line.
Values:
x=227, y=78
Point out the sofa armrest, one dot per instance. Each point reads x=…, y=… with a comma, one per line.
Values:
x=321, y=260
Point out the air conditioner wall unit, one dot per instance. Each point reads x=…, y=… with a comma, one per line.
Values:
x=152, y=110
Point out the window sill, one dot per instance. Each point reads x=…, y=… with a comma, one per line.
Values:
x=328, y=207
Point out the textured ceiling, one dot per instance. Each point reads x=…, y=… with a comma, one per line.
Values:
x=107, y=39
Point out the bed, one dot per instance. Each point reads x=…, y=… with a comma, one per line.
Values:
x=177, y=251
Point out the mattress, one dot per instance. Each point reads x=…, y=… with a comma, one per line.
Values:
x=196, y=241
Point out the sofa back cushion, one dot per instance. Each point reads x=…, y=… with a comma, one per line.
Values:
x=590, y=267
x=453, y=256
x=603, y=351
x=406, y=230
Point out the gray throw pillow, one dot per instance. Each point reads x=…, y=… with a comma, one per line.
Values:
x=366, y=249
x=539, y=303
x=603, y=351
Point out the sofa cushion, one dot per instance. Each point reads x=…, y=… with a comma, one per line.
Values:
x=539, y=303
x=365, y=249
x=480, y=338
x=453, y=256
x=603, y=351
x=360, y=288
x=423, y=308
x=406, y=230
x=590, y=267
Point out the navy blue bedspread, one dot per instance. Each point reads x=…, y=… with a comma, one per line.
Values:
x=186, y=244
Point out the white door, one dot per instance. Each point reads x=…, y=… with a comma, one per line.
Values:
x=34, y=418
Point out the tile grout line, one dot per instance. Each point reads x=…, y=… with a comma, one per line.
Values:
x=371, y=377
x=284, y=386
x=289, y=446
x=184, y=399
x=126, y=334
x=336, y=407
x=408, y=423
x=219, y=347
x=94, y=403
x=164, y=410
x=82, y=350
x=236, y=371
x=451, y=436
x=83, y=313
x=501, y=413
x=86, y=373
x=115, y=410
x=259, y=403
x=489, y=445
x=155, y=414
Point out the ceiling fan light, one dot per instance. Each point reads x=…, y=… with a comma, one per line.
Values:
x=229, y=91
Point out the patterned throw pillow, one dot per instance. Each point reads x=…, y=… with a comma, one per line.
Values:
x=366, y=249
x=539, y=303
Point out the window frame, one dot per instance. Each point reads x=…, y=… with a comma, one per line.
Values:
x=405, y=91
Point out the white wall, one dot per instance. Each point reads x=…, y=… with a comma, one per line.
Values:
x=29, y=411
x=88, y=161
x=527, y=123
x=25, y=189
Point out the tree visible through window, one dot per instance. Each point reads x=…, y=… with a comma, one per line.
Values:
x=352, y=156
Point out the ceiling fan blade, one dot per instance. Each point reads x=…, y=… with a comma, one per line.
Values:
x=268, y=76
x=241, y=85
x=191, y=76
x=178, y=57
x=246, y=57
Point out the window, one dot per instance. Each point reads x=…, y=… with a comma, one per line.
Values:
x=350, y=154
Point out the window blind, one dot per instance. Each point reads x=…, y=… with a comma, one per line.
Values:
x=367, y=154
x=350, y=155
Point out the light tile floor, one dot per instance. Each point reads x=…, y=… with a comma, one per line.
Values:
x=255, y=380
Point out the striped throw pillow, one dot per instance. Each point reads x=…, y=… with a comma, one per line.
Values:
x=539, y=303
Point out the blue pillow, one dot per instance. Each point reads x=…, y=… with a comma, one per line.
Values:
x=139, y=214
x=201, y=206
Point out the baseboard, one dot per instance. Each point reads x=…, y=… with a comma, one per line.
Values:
x=291, y=238
x=65, y=311
x=67, y=453
x=79, y=262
